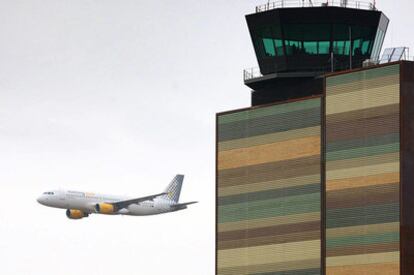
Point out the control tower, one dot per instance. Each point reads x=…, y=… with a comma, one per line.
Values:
x=316, y=177
x=294, y=46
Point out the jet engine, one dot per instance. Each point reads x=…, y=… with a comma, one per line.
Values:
x=104, y=208
x=76, y=214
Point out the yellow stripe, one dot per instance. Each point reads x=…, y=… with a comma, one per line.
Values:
x=362, y=99
x=373, y=258
x=369, y=269
x=363, y=171
x=286, y=150
x=269, y=254
x=356, y=182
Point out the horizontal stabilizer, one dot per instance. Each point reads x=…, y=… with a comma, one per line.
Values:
x=183, y=205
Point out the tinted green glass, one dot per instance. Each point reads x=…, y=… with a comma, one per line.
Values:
x=338, y=47
x=311, y=47
x=323, y=47
x=293, y=47
x=269, y=47
x=357, y=47
x=279, y=46
x=366, y=46
x=347, y=47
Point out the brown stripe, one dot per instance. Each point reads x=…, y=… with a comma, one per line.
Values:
x=355, y=197
x=277, y=239
x=363, y=249
x=267, y=231
x=366, y=229
x=269, y=171
x=355, y=129
x=364, y=113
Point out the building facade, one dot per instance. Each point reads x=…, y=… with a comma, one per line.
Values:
x=317, y=177
x=269, y=188
x=322, y=184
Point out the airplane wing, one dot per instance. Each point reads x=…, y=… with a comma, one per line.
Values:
x=126, y=203
x=179, y=206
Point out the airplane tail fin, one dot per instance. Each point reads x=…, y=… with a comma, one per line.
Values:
x=174, y=189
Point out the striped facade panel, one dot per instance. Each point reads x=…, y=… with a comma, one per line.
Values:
x=363, y=172
x=268, y=190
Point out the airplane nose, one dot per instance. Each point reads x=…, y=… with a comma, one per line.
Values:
x=40, y=200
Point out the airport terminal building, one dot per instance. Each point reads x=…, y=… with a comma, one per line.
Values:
x=317, y=176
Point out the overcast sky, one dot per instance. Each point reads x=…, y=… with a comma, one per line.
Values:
x=117, y=97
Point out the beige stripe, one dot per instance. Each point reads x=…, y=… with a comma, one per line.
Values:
x=369, y=269
x=363, y=230
x=268, y=185
x=272, y=221
x=363, y=84
x=362, y=99
x=269, y=138
x=356, y=182
x=354, y=162
x=272, y=267
x=374, y=258
x=363, y=171
x=286, y=150
x=277, y=253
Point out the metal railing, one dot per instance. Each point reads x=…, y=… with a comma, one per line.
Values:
x=254, y=72
x=251, y=73
x=363, y=5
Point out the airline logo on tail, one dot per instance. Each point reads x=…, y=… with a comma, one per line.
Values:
x=173, y=190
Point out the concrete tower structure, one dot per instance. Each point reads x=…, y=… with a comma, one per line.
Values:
x=317, y=176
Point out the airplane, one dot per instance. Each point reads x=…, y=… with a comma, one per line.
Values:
x=79, y=205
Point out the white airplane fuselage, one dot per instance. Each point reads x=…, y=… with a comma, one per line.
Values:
x=86, y=202
x=81, y=204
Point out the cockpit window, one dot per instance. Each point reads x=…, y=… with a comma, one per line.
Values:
x=48, y=193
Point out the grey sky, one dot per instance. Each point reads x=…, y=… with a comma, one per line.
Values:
x=118, y=97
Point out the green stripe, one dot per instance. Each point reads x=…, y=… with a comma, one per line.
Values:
x=270, y=124
x=269, y=208
x=389, y=237
x=234, y=216
x=363, y=151
x=372, y=214
x=269, y=111
x=361, y=76
x=363, y=142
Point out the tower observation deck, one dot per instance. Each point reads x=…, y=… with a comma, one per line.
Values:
x=297, y=41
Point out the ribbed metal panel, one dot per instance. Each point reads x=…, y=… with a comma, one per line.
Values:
x=269, y=190
x=362, y=172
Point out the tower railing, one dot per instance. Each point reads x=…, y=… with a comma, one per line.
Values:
x=364, y=5
x=254, y=72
